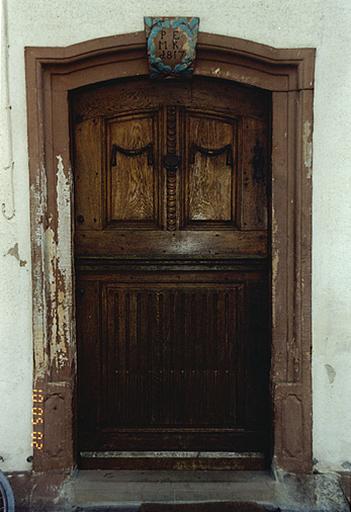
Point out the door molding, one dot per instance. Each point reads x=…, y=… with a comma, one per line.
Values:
x=51, y=73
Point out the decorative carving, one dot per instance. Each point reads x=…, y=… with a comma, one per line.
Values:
x=211, y=152
x=173, y=161
x=148, y=149
x=171, y=44
x=258, y=162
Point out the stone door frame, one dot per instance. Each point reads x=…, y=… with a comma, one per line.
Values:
x=51, y=73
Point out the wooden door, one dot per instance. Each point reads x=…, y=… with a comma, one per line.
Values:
x=172, y=266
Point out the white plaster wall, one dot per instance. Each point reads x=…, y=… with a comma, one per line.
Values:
x=324, y=24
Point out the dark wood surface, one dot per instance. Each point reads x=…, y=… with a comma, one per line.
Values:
x=172, y=266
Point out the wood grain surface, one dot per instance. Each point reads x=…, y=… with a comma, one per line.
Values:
x=172, y=358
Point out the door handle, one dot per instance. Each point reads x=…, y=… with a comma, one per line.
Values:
x=148, y=149
x=195, y=148
x=171, y=162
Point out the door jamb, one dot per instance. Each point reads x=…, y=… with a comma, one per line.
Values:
x=289, y=74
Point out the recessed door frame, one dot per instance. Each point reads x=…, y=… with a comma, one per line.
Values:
x=51, y=73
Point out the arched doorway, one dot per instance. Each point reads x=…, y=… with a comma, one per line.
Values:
x=288, y=76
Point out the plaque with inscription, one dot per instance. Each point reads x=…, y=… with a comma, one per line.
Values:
x=171, y=46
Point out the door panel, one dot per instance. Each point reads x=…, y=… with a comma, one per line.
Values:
x=167, y=368
x=197, y=244
x=88, y=174
x=210, y=172
x=172, y=265
x=163, y=368
x=133, y=186
x=255, y=165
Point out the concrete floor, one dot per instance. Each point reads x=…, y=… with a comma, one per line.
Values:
x=126, y=490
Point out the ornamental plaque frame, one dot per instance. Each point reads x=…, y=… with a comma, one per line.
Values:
x=171, y=46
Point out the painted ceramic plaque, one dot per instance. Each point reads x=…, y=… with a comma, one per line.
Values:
x=171, y=46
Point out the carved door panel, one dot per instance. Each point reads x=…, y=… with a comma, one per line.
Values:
x=172, y=266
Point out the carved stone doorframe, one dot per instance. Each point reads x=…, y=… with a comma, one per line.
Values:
x=51, y=73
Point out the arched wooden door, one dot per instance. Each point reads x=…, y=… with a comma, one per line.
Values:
x=172, y=266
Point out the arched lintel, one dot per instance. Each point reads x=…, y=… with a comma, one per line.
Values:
x=293, y=69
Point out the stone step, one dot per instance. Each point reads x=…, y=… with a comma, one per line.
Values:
x=189, y=507
x=128, y=491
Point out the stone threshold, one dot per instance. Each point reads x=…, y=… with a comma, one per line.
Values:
x=126, y=491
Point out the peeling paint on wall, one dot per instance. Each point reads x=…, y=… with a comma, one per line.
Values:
x=39, y=195
x=275, y=264
x=64, y=195
x=307, y=148
x=330, y=372
x=59, y=270
x=14, y=251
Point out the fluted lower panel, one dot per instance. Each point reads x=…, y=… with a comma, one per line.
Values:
x=172, y=357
